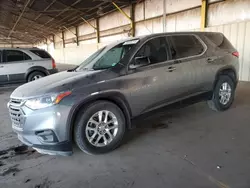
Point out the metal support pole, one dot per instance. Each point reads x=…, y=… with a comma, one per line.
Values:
x=77, y=35
x=69, y=30
x=63, y=39
x=57, y=35
x=86, y=21
x=54, y=42
x=204, y=7
x=164, y=15
x=125, y=14
x=132, y=13
x=47, y=47
x=97, y=30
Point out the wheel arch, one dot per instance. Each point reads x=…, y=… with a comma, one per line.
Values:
x=36, y=68
x=113, y=97
x=230, y=71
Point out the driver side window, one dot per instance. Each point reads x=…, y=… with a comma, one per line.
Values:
x=155, y=50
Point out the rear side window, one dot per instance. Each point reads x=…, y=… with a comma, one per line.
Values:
x=220, y=41
x=15, y=55
x=41, y=54
x=185, y=46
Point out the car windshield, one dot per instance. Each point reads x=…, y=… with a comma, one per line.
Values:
x=107, y=57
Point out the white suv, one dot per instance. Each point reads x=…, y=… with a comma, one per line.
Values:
x=24, y=65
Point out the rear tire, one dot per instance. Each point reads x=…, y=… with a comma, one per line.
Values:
x=92, y=135
x=35, y=76
x=223, y=94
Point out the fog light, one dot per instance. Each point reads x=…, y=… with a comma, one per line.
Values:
x=47, y=136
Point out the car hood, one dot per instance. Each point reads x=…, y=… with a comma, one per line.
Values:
x=54, y=83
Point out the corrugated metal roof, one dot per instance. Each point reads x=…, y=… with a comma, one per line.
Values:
x=34, y=20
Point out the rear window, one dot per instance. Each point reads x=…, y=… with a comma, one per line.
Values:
x=220, y=41
x=41, y=53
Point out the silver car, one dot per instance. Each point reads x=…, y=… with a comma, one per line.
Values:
x=93, y=104
x=24, y=65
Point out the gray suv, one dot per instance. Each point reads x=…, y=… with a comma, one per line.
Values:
x=19, y=65
x=93, y=104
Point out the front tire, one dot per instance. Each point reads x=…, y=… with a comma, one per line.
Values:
x=223, y=94
x=99, y=128
x=35, y=76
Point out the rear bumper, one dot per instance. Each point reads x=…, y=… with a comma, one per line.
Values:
x=53, y=71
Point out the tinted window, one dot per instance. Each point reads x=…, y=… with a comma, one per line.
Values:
x=155, y=50
x=41, y=53
x=220, y=40
x=185, y=46
x=15, y=55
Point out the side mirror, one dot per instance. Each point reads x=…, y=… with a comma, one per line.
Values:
x=140, y=62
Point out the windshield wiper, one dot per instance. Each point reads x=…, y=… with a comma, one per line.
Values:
x=72, y=70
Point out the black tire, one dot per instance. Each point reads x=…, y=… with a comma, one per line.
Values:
x=215, y=103
x=35, y=74
x=81, y=123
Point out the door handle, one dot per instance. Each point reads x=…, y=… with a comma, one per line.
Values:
x=1, y=66
x=210, y=60
x=171, y=69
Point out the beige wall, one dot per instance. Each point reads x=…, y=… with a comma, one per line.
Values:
x=230, y=17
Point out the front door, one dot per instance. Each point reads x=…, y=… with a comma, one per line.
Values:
x=155, y=83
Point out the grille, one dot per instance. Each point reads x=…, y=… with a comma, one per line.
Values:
x=16, y=114
x=15, y=101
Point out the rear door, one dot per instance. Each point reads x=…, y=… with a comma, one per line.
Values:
x=3, y=71
x=157, y=83
x=220, y=54
x=16, y=64
x=188, y=54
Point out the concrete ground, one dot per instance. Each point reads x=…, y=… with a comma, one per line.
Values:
x=188, y=147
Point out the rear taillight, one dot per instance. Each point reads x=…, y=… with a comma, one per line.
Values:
x=236, y=54
x=53, y=64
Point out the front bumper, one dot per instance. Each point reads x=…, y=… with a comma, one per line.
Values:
x=45, y=130
x=60, y=148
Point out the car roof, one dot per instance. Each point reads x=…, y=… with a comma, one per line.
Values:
x=176, y=33
x=17, y=48
x=145, y=37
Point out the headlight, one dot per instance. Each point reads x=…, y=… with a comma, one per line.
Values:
x=46, y=100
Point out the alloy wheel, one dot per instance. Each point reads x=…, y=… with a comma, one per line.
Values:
x=225, y=93
x=101, y=128
x=36, y=77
